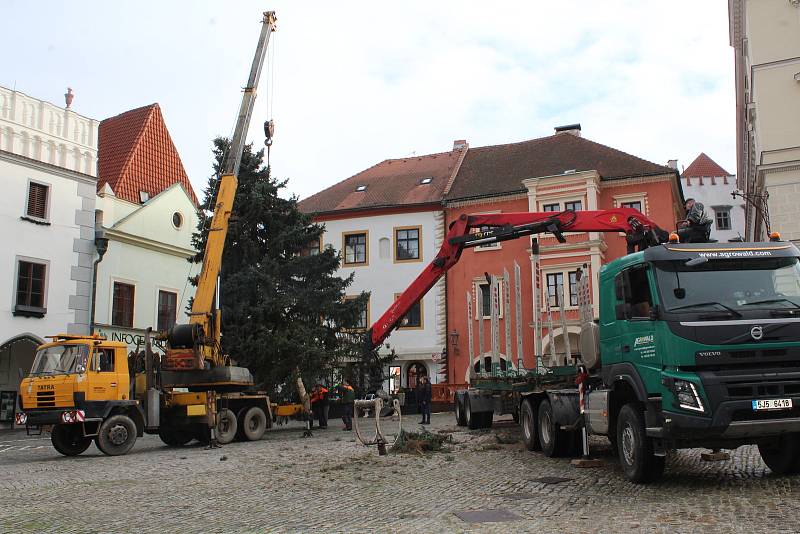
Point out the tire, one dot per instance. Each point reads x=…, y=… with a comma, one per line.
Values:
x=459, y=408
x=636, y=457
x=782, y=454
x=254, y=423
x=69, y=440
x=550, y=436
x=530, y=436
x=116, y=435
x=226, y=426
x=175, y=437
x=471, y=418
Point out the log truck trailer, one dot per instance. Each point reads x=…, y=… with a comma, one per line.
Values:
x=84, y=388
x=696, y=345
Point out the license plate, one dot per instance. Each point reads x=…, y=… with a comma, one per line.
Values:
x=772, y=404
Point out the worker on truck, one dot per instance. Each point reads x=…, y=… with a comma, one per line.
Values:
x=696, y=228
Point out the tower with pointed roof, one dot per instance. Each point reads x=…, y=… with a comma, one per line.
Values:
x=706, y=181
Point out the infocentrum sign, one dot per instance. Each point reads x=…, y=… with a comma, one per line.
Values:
x=133, y=337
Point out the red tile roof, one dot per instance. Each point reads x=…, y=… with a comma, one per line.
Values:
x=496, y=170
x=704, y=167
x=136, y=153
x=393, y=182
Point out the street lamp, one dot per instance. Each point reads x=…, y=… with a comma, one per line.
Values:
x=101, y=246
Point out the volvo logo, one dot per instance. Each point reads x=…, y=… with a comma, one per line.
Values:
x=757, y=332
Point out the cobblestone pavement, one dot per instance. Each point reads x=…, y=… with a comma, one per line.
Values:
x=330, y=483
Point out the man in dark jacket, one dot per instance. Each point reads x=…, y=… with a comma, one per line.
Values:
x=347, y=397
x=424, y=399
x=696, y=228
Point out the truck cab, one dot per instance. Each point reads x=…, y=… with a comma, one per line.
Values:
x=706, y=339
x=76, y=384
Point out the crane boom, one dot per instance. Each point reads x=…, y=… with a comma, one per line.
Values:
x=503, y=227
x=191, y=345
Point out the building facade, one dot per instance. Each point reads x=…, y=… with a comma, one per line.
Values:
x=765, y=36
x=388, y=224
x=47, y=166
x=561, y=172
x=705, y=181
x=146, y=214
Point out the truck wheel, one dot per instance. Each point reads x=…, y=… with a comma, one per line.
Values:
x=459, y=407
x=782, y=454
x=635, y=449
x=471, y=418
x=550, y=436
x=254, y=423
x=529, y=434
x=117, y=435
x=175, y=437
x=226, y=426
x=69, y=440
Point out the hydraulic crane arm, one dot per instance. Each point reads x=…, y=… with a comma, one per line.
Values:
x=503, y=227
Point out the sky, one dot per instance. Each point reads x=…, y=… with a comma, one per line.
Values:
x=350, y=84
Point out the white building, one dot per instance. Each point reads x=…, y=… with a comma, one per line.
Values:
x=47, y=167
x=147, y=211
x=707, y=182
x=765, y=36
x=388, y=224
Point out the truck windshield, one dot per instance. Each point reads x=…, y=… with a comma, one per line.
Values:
x=59, y=359
x=732, y=285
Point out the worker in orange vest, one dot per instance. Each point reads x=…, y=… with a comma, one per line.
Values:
x=319, y=405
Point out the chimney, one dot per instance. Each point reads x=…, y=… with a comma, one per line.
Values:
x=69, y=96
x=574, y=129
x=672, y=164
x=460, y=144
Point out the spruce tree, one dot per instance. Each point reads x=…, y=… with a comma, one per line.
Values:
x=282, y=309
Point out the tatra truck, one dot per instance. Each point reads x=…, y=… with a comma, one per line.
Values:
x=85, y=388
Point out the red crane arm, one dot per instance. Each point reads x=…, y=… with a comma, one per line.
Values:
x=503, y=227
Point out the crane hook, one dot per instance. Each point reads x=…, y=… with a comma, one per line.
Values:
x=269, y=131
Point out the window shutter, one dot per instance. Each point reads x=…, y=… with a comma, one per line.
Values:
x=37, y=200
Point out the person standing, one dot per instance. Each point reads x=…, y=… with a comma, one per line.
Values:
x=424, y=399
x=696, y=228
x=319, y=405
x=348, y=398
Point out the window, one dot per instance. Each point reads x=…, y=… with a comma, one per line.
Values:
x=486, y=305
x=362, y=323
x=177, y=220
x=167, y=310
x=551, y=207
x=412, y=319
x=426, y=181
x=407, y=244
x=104, y=361
x=633, y=290
x=722, y=218
x=555, y=284
x=31, y=281
x=361, y=188
x=37, y=200
x=573, y=288
x=574, y=205
x=122, y=305
x=312, y=248
x=355, y=248
x=636, y=204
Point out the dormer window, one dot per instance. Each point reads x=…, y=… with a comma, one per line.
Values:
x=144, y=196
x=426, y=181
x=361, y=188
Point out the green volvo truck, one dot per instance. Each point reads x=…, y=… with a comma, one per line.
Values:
x=696, y=345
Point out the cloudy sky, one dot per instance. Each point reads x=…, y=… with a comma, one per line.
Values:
x=352, y=83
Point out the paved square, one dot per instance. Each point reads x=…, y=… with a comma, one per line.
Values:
x=329, y=483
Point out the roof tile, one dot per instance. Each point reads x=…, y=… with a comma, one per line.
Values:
x=136, y=153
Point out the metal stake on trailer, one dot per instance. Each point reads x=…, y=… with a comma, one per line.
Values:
x=562, y=315
x=537, y=313
x=518, y=316
x=479, y=313
x=495, y=324
x=469, y=332
x=507, y=317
